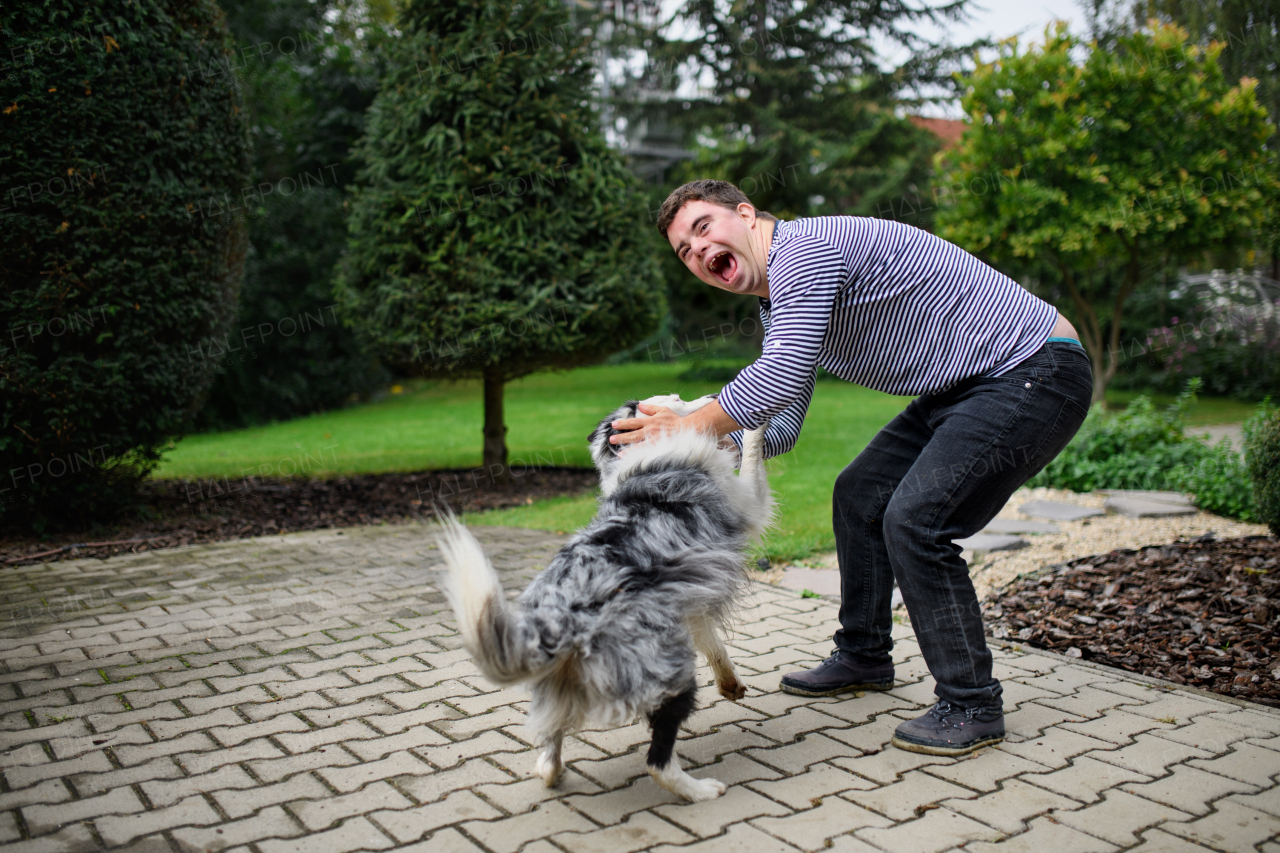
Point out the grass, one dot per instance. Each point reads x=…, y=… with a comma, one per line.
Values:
x=437, y=425
x=1206, y=411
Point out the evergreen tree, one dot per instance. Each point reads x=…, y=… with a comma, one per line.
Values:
x=107, y=144
x=493, y=233
x=791, y=102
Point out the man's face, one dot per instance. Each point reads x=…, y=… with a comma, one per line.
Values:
x=721, y=246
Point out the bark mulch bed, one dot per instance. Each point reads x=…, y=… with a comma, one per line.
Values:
x=1203, y=613
x=174, y=512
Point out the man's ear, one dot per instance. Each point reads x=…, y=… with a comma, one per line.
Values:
x=748, y=212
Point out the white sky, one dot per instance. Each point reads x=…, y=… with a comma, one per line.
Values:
x=1024, y=18
x=997, y=20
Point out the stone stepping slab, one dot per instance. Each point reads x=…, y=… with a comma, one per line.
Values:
x=1152, y=495
x=1139, y=508
x=1017, y=525
x=992, y=542
x=1057, y=511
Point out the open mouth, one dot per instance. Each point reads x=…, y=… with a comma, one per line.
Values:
x=722, y=265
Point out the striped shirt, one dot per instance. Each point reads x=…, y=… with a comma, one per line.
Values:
x=882, y=304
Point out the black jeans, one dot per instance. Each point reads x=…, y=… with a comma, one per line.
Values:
x=938, y=472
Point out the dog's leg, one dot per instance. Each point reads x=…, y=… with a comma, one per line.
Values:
x=751, y=470
x=707, y=639
x=550, y=764
x=663, y=765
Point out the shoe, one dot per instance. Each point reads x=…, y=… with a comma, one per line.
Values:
x=838, y=674
x=947, y=730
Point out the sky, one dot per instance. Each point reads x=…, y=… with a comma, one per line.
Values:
x=1024, y=18
x=997, y=20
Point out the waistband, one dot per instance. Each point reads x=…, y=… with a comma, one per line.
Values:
x=1064, y=341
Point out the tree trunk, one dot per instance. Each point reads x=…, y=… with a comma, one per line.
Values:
x=495, y=429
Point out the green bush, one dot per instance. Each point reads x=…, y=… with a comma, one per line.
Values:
x=1143, y=448
x=1262, y=455
x=109, y=141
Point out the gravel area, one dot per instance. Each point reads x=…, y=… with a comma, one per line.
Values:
x=996, y=569
x=993, y=570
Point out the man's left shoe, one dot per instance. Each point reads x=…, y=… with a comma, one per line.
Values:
x=947, y=730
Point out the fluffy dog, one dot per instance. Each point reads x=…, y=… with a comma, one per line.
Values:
x=607, y=632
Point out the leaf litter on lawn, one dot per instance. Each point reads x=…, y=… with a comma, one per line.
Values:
x=1203, y=613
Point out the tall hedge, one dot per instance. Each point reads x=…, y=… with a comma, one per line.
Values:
x=113, y=290
x=493, y=232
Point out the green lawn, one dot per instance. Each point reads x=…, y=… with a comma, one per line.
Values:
x=1206, y=411
x=437, y=425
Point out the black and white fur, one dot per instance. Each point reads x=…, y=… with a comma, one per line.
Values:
x=607, y=632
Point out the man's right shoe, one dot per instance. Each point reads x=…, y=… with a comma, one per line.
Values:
x=838, y=674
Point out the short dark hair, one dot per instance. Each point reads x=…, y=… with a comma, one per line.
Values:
x=720, y=193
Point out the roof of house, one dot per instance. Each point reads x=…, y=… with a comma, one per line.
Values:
x=948, y=130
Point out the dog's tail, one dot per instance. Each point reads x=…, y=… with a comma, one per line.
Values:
x=499, y=638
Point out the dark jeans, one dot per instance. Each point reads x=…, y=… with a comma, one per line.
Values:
x=936, y=473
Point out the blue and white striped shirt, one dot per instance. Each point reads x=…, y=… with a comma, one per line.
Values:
x=882, y=304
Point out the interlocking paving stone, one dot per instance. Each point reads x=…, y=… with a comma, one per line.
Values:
x=309, y=693
x=1119, y=816
x=1045, y=834
x=1009, y=808
x=811, y=829
x=1190, y=789
x=939, y=829
x=899, y=801
x=1230, y=827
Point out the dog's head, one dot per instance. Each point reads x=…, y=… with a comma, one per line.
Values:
x=605, y=454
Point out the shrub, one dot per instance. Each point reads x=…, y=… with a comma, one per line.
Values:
x=110, y=140
x=1143, y=448
x=494, y=232
x=1262, y=456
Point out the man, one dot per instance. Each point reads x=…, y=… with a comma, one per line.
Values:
x=1003, y=385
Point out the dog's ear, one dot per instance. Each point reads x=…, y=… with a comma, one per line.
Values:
x=599, y=438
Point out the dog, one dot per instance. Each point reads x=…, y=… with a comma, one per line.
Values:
x=607, y=632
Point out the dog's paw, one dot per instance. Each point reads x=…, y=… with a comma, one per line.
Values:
x=549, y=768
x=733, y=691
x=701, y=790
x=675, y=780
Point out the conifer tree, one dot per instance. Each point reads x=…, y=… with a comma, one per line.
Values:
x=493, y=233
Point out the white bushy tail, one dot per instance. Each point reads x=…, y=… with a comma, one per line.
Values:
x=499, y=638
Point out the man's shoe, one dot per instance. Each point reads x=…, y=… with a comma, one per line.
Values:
x=947, y=730
x=838, y=674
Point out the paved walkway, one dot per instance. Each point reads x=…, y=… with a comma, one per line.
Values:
x=307, y=693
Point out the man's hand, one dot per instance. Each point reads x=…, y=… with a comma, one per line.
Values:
x=710, y=418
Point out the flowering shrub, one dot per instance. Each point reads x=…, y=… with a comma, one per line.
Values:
x=1235, y=353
